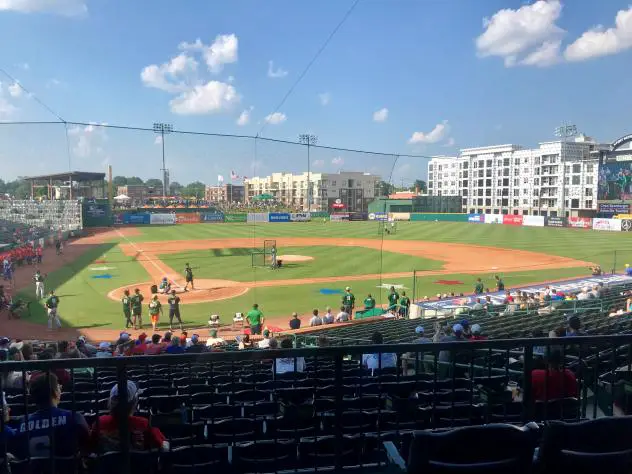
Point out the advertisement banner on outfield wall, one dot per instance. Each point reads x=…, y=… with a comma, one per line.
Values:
x=300, y=217
x=555, y=221
x=339, y=217
x=162, y=219
x=215, y=217
x=533, y=221
x=512, y=220
x=399, y=216
x=476, y=218
x=580, y=222
x=236, y=217
x=137, y=219
x=257, y=217
x=188, y=218
x=626, y=225
x=613, y=225
x=320, y=214
x=614, y=208
x=278, y=217
x=118, y=218
x=378, y=216
x=358, y=216
x=493, y=218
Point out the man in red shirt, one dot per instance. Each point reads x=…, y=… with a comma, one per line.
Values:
x=141, y=346
x=553, y=382
x=156, y=347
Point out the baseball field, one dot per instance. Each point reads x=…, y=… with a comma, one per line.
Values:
x=320, y=259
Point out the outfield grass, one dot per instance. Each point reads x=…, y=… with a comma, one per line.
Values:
x=236, y=264
x=85, y=303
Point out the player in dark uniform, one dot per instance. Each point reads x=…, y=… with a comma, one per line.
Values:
x=174, y=309
x=188, y=277
x=393, y=297
x=479, y=287
x=500, y=284
x=137, y=309
x=348, y=301
x=127, y=309
x=404, y=305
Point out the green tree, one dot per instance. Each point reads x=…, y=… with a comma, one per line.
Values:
x=119, y=181
x=195, y=189
x=421, y=185
x=385, y=188
x=175, y=188
x=156, y=183
x=134, y=180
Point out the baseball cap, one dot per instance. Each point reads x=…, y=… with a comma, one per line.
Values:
x=124, y=336
x=347, y=288
x=457, y=328
x=104, y=346
x=266, y=333
x=195, y=338
x=419, y=329
x=465, y=323
x=142, y=336
x=132, y=391
x=4, y=340
x=476, y=328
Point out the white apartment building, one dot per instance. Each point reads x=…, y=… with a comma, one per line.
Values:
x=557, y=179
x=354, y=189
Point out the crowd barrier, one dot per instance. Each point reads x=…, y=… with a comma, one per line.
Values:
x=161, y=219
x=437, y=217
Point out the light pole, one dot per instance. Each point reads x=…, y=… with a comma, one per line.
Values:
x=163, y=129
x=309, y=140
x=564, y=131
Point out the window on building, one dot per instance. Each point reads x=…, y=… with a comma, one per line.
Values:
x=464, y=192
x=505, y=181
x=588, y=192
x=506, y=172
x=475, y=165
x=333, y=183
x=481, y=173
x=536, y=160
x=535, y=203
x=516, y=202
x=488, y=192
x=481, y=163
x=574, y=203
x=536, y=171
x=506, y=162
x=589, y=204
x=505, y=192
x=488, y=183
x=575, y=180
x=465, y=183
x=525, y=160
x=498, y=202
x=500, y=183
x=488, y=173
x=504, y=202
x=489, y=163
x=480, y=183
x=479, y=202
x=525, y=191
x=465, y=174
x=488, y=202
x=536, y=192
x=577, y=168
x=430, y=184
x=536, y=181
x=589, y=168
x=525, y=180
x=479, y=192
x=525, y=202
x=589, y=180
x=430, y=167
x=516, y=182
x=566, y=180
x=516, y=161
x=465, y=165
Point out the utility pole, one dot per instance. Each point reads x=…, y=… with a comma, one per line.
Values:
x=163, y=129
x=309, y=140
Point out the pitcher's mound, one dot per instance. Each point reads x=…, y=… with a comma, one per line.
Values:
x=295, y=258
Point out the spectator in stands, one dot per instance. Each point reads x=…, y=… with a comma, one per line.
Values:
x=265, y=342
x=255, y=319
x=455, y=335
x=62, y=348
x=342, y=316
x=85, y=348
x=175, y=347
x=69, y=429
x=315, y=319
x=328, y=318
x=156, y=347
x=553, y=382
x=213, y=340
x=140, y=347
x=104, y=435
x=27, y=351
x=195, y=347
x=245, y=342
x=574, y=327
x=467, y=332
x=382, y=360
x=288, y=364
x=322, y=341
x=628, y=304
x=478, y=306
x=295, y=323
x=584, y=295
x=62, y=375
x=477, y=333
x=104, y=351
x=274, y=344
x=8, y=432
x=421, y=339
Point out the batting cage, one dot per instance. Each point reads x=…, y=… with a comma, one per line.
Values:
x=263, y=257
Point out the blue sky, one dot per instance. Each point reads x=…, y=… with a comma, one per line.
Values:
x=401, y=76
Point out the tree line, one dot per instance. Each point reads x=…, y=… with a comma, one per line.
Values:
x=195, y=188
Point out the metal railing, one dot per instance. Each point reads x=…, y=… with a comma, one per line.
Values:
x=307, y=407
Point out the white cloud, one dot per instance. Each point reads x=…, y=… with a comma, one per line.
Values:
x=158, y=140
x=527, y=35
x=437, y=134
x=171, y=76
x=212, y=97
x=230, y=79
x=15, y=90
x=598, y=42
x=6, y=109
x=224, y=50
x=60, y=7
x=325, y=98
x=338, y=161
x=318, y=163
x=275, y=74
x=380, y=115
x=276, y=118
x=244, y=117
x=89, y=140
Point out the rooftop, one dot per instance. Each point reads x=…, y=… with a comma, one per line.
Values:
x=70, y=175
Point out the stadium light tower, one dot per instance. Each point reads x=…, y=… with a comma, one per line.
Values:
x=564, y=131
x=309, y=140
x=163, y=129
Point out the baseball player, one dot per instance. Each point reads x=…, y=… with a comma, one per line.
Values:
x=500, y=284
x=393, y=297
x=404, y=305
x=174, y=310
x=155, y=310
x=369, y=302
x=188, y=277
x=273, y=254
x=127, y=309
x=479, y=287
x=137, y=309
x=52, y=303
x=348, y=301
x=38, y=278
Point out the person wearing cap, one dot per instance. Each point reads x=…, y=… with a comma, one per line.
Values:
x=140, y=346
x=467, y=332
x=421, y=339
x=69, y=429
x=315, y=320
x=155, y=310
x=38, y=278
x=255, y=319
x=265, y=342
x=175, y=347
x=174, y=309
x=446, y=356
x=213, y=340
x=52, y=303
x=477, y=333
x=393, y=297
x=124, y=345
x=328, y=318
x=126, y=300
x=165, y=286
x=348, y=302
x=104, y=351
x=404, y=305
x=369, y=302
x=137, y=309
x=195, y=347
x=156, y=347
x=295, y=323
x=342, y=316
x=104, y=435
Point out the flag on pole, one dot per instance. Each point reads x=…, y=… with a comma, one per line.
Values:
x=220, y=178
x=233, y=175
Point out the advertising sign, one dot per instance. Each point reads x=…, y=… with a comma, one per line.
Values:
x=626, y=225
x=400, y=216
x=300, y=217
x=607, y=224
x=339, y=217
x=476, y=218
x=96, y=210
x=533, y=221
x=320, y=214
x=188, y=218
x=614, y=208
x=378, y=216
x=162, y=219
x=236, y=217
x=555, y=221
x=493, y=218
x=137, y=219
x=278, y=217
x=118, y=218
x=580, y=222
x=358, y=216
x=214, y=217
x=257, y=217
x=512, y=220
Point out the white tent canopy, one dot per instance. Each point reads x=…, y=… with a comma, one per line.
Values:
x=121, y=197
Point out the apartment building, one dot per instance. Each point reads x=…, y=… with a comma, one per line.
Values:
x=558, y=178
x=354, y=189
x=225, y=193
